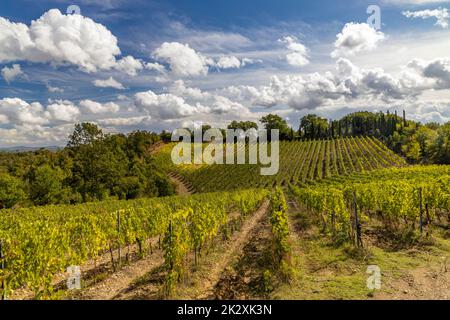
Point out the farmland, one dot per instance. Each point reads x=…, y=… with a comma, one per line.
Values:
x=335, y=204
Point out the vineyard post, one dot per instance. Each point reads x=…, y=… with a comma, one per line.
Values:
x=357, y=223
x=421, y=210
x=428, y=218
x=118, y=232
x=2, y=267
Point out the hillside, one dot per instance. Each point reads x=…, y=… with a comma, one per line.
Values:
x=300, y=161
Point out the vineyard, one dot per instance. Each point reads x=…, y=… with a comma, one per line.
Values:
x=344, y=185
x=38, y=243
x=406, y=198
x=299, y=162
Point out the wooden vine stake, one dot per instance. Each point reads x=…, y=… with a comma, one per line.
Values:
x=118, y=232
x=359, y=242
x=2, y=267
x=420, y=210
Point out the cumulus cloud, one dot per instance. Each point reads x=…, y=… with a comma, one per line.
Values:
x=19, y=112
x=96, y=107
x=64, y=39
x=129, y=65
x=182, y=101
x=108, y=83
x=166, y=106
x=154, y=66
x=437, y=70
x=356, y=37
x=62, y=110
x=298, y=55
x=229, y=62
x=182, y=59
x=349, y=84
x=441, y=15
x=9, y=74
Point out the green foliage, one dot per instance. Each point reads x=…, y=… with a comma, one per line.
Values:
x=273, y=121
x=40, y=242
x=243, y=125
x=395, y=194
x=93, y=166
x=46, y=186
x=11, y=191
x=441, y=146
x=280, y=228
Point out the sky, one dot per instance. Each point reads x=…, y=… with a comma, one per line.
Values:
x=161, y=65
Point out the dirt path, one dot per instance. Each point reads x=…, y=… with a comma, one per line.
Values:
x=156, y=147
x=426, y=283
x=180, y=187
x=119, y=281
x=234, y=247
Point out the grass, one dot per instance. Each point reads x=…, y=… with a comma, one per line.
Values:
x=323, y=270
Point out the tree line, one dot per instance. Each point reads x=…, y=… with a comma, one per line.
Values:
x=93, y=166
x=417, y=142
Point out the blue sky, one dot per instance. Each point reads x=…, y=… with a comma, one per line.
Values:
x=156, y=65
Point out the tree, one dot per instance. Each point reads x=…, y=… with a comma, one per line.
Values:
x=412, y=151
x=84, y=133
x=425, y=137
x=441, y=146
x=11, y=191
x=273, y=121
x=46, y=186
x=313, y=127
x=243, y=125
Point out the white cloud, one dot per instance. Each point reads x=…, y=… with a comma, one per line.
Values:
x=9, y=74
x=154, y=66
x=96, y=107
x=108, y=83
x=356, y=37
x=437, y=70
x=298, y=55
x=129, y=65
x=441, y=15
x=64, y=39
x=54, y=89
x=248, y=61
x=62, y=111
x=19, y=112
x=182, y=59
x=166, y=106
x=413, y=2
x=228, y=62
x=131, y=121
x=349, y=85
x=181, y=102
